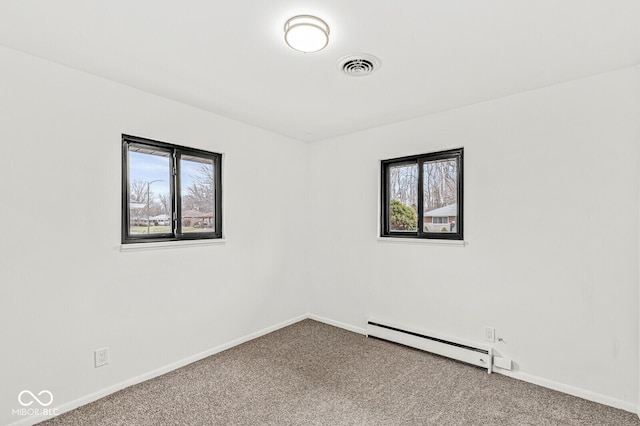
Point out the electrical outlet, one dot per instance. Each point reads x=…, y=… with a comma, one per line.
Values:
x=489, y=334
x=101, y=357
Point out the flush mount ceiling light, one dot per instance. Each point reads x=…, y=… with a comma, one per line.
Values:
x=306, y=33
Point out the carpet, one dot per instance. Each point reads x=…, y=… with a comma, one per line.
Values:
x=311, y=373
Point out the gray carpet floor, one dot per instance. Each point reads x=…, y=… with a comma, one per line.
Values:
x=313, y=374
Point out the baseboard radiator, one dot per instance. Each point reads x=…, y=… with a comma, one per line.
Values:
x=471, y=354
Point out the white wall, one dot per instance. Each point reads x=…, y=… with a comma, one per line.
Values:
x=66, y=289
x=563, y=298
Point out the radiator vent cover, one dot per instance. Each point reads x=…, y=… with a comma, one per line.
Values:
x=471, y=353
x=358, y=64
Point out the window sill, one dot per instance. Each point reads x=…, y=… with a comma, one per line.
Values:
x=171, y=244
x=424, y=241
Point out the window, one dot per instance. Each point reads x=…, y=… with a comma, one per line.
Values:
x=422, y=196
x=169, y=192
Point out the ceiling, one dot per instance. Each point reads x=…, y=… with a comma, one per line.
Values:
x=230, y=57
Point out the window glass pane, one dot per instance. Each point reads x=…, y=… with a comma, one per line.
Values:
x=198, y=194
x=149, y=191
x=440, y=195
x=403, y=197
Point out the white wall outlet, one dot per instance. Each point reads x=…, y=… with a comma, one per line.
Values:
x=101, y=357
x=489, y=334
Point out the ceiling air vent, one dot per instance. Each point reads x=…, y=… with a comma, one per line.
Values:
x=358, y=64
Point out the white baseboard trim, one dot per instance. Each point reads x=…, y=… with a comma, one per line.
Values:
x=28, y=421
x=338, y=324
x=570, y=390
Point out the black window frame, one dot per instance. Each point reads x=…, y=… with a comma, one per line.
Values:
x=175, y=152
x=419, y=160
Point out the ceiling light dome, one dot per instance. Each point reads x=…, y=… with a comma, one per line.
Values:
x=306, y=33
